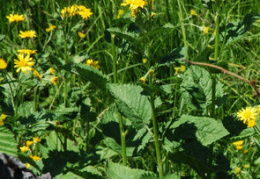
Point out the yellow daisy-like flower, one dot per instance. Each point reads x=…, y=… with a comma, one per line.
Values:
x=182, y=68
x=258, y=109
x=36, y=139
x=237, y=170
x=24, y=63
x=193, y=12
x=120, y=12
x=15, y=18
x=3, y=117
x=245, y=151
x=35, y=157
x=27, y=51
x=37, y=74
x=91, y=62
x=134, y=5
x=251, y=123
x=142, y=79
x=247, y=114
x=51, y=70
x=247, y=166
x=27, y=165
x=176, y=69
x=55, y=80
x=24, y=148
x=1, y=122
x=239, y=144
x=153, y=14
x=205, y=30
x=29, y=143
x=3, y=64
x=144, y=61
x=81, y=35
x=85, y=14
x=50, y=28
x=151, y=72
x=27, y=34
x=71, y=11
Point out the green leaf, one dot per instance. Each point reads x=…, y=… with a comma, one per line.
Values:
x=197, y=88
x=207, y=130
x=171, y=176
x=176, y=56
x=129, y=36
x=117, y=171
x=89, y=73
x=167, y=28
x=8, y=145
x=235, y=30
x=132, y=103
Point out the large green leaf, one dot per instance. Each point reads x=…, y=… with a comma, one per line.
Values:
x=8, y=145
x=207, y=130
x=89, y=73
x=129, y=36
x=117, y=171
x=197, y=88
x=176, y=56
x=132, y=103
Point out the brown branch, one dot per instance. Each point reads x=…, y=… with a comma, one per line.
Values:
x=223, y=70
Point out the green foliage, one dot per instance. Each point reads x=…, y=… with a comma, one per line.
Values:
x=8, y=144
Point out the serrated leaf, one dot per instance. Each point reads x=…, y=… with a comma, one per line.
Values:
x=117, y=171
x=165, y=29
x=8, y=144
x=197, y=88
x=207, y=130
x=131, y=103
x=176, y=56
x=129, y=36
x=89, y=73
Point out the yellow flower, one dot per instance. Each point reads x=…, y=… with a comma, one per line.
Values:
x=205, y=30
x=248, y=115
x=24, y=63
x=176, y=70
x=3, y=64
x=55, y=80
x=237, y=170
x=134, y=5
x=24, y=148
x=36, y=139
x=258, y=109
x=144, y=61
x=91, y=62
x=71, y=11
x=27, y=165
x=193, y=12
x=27, y=34
x=51, y=70
x=153, y=14
x=182, y=68
x=1, y=122
x=15, y=18
x=27, y=51
x=120, y=12
x=2, y=117
x=29, y=143
x=239, y=144
x=37, y=74
x=142, y=79
x=35, y=157
x=85, y=14
x=50, y=28
x=151, y=72
x=81, y=35
x=245, y=151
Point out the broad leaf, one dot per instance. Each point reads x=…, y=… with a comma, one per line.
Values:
x=129, y=36
x=176, y=56
x=8, y=145
x=132, y=103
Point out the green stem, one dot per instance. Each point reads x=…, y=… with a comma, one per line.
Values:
x=120, y=120
x=156, y=140
x=35, y=97
x=216, y=53
x=66, y=62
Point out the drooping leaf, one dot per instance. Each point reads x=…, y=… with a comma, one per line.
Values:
x=164, y=29
x=207, y=130
x=8, y=145
x=129, y=36
x=132, y=103
x=117, y=171
x=176, y=56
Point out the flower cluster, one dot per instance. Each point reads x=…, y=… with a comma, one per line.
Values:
x=248, y=115
x=134, y=5
x=73, y=10
x=239, y=144
x=15, y=18
x=29, y=147
x=91, y=62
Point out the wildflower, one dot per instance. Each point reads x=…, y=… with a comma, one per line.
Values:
x=151, y=72
x=3, y=64
x=29, y=143
x=152, y=15
x=247, y=166
x=248, y=116
x=2, y=117
x=237, y=170
x=239, y=144
x=193, y=12
x=24, y=63
x=15, y=18
x=27, y=165
x=176, y=70
x=205, y=30
x=36, y=139
x=258, y=109
x=134, y=5
x=2, y=122
x=50, y=28
x=27, y=34
x=182, y=68
x=144, y=61
x=37, y=74
x=142, y=79
x=24, y=148
x=35, y=157
x=71, y=11
x=51, y=70
x=245, y=151
x=85, y=14
x=27, y=51
x=81, y=35
x=55, y=80
x=120, y=12
x=91, y=62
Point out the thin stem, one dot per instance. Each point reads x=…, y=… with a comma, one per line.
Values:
x=156, y=140
x=35, y=97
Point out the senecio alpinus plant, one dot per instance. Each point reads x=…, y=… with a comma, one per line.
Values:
x=139, y=89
